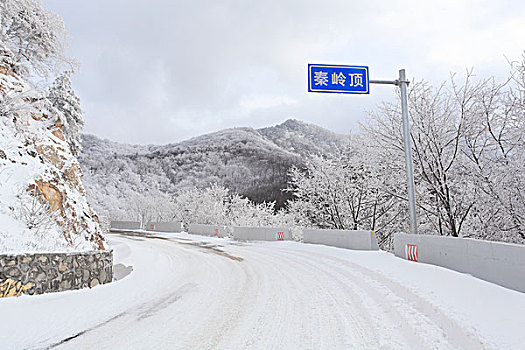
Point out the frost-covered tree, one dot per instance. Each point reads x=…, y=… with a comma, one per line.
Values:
x=437, y=124
x=64, y=99
x=215, y=205
x=150, y=206
x=348, y=191
x=33, y=35
x=202, y=206
x=467, y=144
x=494, y=145
x=243, y=212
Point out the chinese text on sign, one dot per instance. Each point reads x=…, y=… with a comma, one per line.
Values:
x=338, y=79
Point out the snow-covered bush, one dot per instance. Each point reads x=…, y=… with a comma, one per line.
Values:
x=35, y=212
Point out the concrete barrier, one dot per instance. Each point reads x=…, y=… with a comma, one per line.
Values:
x=164, y=227
x=358, y=240
x=262, y=233
x=499, y=263
x=208, y=230
x=125, y=225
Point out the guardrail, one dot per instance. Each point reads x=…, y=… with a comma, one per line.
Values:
x=164, y=226
x=500, y=263
x=208, y=230
x=125, y=225
x=349, y=239
x=262, y=233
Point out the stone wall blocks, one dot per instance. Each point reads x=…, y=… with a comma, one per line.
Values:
x=102, y=275
x=63, y=266
x=24, y=267
x=65, y=285
x=52, y=272
x=14, y=272
x=41, y=277
x=85, y=275
x=32, y=289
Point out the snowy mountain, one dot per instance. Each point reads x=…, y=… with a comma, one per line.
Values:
x=303, y=139
x=251, y=162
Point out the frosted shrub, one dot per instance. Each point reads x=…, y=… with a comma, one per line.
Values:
x=34, y=211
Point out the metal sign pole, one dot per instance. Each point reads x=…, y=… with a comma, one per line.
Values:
x=408, y=153
x=402, y=83
x=346, y=79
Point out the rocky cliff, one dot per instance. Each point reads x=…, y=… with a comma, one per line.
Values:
x=43, y=205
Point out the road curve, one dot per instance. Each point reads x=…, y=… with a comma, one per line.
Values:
x=268, y=296
x=178, y=291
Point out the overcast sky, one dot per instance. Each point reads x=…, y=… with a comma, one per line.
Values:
x=161, y=71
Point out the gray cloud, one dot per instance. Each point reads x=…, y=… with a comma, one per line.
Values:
x=161, y=71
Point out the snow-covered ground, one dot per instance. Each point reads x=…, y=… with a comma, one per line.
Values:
x=191, y=292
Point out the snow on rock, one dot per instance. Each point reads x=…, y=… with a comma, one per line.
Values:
x=43, y=206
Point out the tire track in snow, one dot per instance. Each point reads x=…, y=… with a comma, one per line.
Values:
x=279, y=297
x=312, y=315
x=182, y=293
x=347, y=300
x=441, y=332
x=384, y=319
x=227, y=307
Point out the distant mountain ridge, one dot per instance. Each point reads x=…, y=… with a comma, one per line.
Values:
x=251, y=162
x=302, y=138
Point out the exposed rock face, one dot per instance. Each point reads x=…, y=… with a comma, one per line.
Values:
x=42, y=200
x=51, y=194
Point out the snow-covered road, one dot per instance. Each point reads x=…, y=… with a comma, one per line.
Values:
x=191, y=292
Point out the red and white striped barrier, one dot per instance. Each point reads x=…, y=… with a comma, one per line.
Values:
x=280, y=236
x=411, y=252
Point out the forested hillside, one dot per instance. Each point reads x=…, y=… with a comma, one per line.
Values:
x=253, y=163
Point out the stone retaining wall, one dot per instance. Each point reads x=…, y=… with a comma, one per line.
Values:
x=54, y=272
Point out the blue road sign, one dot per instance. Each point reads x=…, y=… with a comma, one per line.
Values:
x=338, y=79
